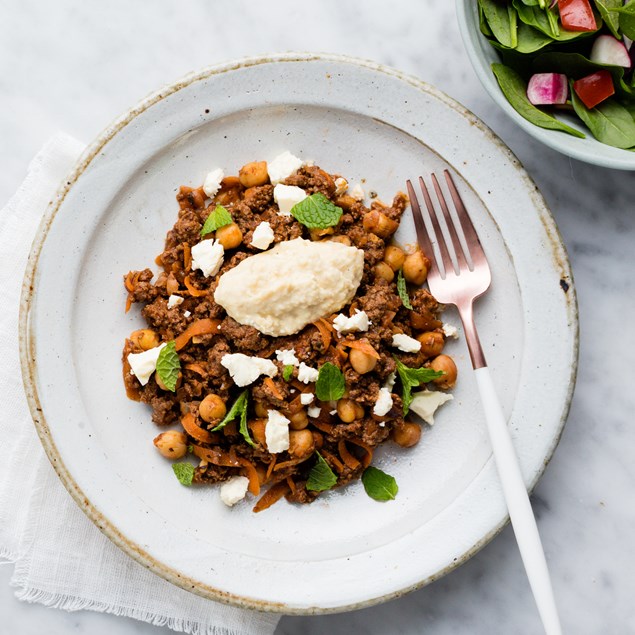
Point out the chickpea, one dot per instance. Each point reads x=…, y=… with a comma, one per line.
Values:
x=230, y=191
x=346, y=410
x=383, y=270
x=171, y=444
x=447, y=365
x=406, y=434
x=394, y=257
x=145, y=338
x=254, y=173
x=432, y=343
x=212, y=408
x=362, y=362
x=299, y=420
x=301, y=443
x=346, y=201
x=415, y=268
x=199, y=197
x=229, y=236
x=345, y=240
x=260, y=408
x=376, y=222
x=316, y=234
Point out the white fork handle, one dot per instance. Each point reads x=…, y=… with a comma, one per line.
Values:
x=518, y=504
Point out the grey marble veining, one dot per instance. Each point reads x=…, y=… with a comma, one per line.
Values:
x=75, y=66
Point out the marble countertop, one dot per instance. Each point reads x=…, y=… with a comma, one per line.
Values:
x=74, y=66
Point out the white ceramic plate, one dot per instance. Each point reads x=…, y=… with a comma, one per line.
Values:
x=345, y=550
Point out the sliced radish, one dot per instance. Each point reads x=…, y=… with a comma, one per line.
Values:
x=607, y=50
x=547, y=88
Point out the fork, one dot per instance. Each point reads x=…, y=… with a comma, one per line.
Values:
x=459, y=273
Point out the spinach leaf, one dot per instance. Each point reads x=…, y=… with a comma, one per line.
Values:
x=502, y=21
x=531, y=40
x=546, y=20
x=609, y=15
x=609, y=122
x=482, y=21
x=515, y=90
x=627, y=19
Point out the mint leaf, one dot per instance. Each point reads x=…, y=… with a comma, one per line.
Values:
x=321, y=476
x=184, y=472
x=239, y=409
x=379, y=485
x=403, y=290
x=330, y=384
x=411, y=378
x=317, y=212
x=217, y=219
x=168, y=366
x=287, y=371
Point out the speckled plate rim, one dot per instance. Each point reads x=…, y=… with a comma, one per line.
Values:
x=27, y=357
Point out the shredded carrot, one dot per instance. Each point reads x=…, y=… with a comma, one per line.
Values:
x=339, y=466
x=271, y=467
x=187, y=256
x=252, y=475
x=325, y=332
x=128, y=302
x=338, y=351
x=327, y=428
x=291, y=484
x=194, y=292
x=195, y=431
x=388, y=318
x=271, y=496
x=132, y=390
x=281, y=466
x=130, y=281
x=347, y=457
x=158, y=261
x=215, y=456
x=369, y=451
x=273, y=388
x=362, y=345
x=200, y=327
x=298, y=385
x=197, y=368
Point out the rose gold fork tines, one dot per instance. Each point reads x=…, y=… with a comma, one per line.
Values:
x=459, y=273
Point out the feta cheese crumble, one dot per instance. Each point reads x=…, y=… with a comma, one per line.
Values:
x=390, y=381
x=283, y=166
x=234, y=490
x=262, y=236
x=244, y=370
x=306, y=374
x=314, y=411
x=426, y=402
x=306, y=398
x=187, y=313
x=451, y=331
x=286, y=196
x=277, y=432
x=341, y=185
x=174, y=300
x=406, y=343
x=384, y=402
x=142, y=365
x=357, y=322
x=208, y=256
x=358, y=193
x=287, y=357
x=212, y=182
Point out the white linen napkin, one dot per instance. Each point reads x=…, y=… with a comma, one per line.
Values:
x=61, y=559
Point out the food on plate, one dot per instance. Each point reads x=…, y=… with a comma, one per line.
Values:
x=567, y=56
x=286, y=336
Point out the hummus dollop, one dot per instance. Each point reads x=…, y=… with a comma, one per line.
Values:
x=282, y=290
